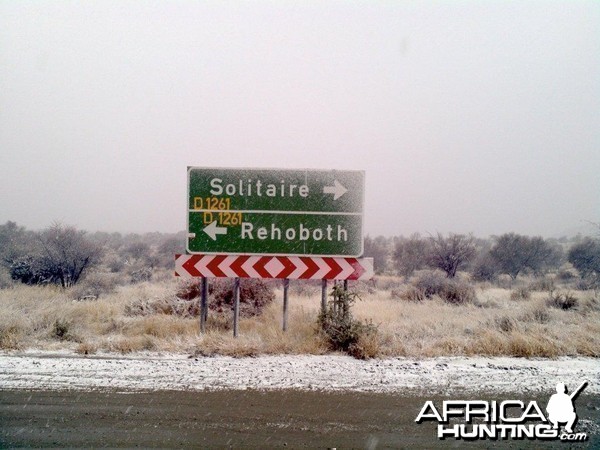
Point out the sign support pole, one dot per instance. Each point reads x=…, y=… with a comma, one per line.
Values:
x=204, y=305
x=323, y=296
x=236, y=306
x=286, y=285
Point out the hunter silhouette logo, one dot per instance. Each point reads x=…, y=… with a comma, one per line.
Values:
x=560, y=407
x=508, y=419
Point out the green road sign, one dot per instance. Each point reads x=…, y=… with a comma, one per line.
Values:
x=275, y=211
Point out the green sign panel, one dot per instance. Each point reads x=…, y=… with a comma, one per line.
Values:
x=275, y=211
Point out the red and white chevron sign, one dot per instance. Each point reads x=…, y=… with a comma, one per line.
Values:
x=290, y=267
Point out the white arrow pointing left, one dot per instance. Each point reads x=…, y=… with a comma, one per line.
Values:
x=337, y=189
x=213, y=230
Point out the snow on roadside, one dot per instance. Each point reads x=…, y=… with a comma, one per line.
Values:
x=149, y=372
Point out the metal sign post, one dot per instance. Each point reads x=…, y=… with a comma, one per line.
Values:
x=323, y=296
x=204, y=305
x=286, y=286
x=236, y=306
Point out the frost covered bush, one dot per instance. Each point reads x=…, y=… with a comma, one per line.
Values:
x=458, y=292
x=450, y=290
x=189, y=289
x=12, y=330
x=173, y=306
x=63, y=330
x=430, y=282
x=410, y=293
x=5, y=279
x=95, y=285
x=562, y=300
x=520, y=293
x=140, y=275
x=485, y=269
x=305, y=288
x=342, y=331
x=542, y=284
x=63, y=256
x=255, y=295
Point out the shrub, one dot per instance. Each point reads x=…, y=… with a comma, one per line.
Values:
x=458, y=292
x=520, y=293
x=504, y=281
x=396, y=293
x=29, y=271
x=410, y=254
x=562, y=300
x=485, y=268
x=5, y=279
x=377, y=248
x=133, y=344
x=86, y=348
x=367, y=345
x=62, y=330
x=189, y=289
x=305, y=288
x=115, y=263
x=364, y=287
x=590, y=282
x=448, y=289
x=255, y=295
x=505, y=324
x=12, y=331
x=140, y=275
x=585, y=257
x=171, y=306
x=139, y=307
x=411, y=293
x=542, y=284
x=589, y=305
x=65, y=255
x=342, y=331
x=430, y=282
x=537, y=313
x=565, y=275
x=358, y=339
x=94, y=285
x=384, y=283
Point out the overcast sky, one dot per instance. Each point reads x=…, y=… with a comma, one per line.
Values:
x=467, y=116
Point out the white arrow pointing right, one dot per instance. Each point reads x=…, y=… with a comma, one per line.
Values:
x=337, y=189
x=213, y=230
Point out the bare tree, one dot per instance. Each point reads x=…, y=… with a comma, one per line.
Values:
x=138, y=250
x=515, y=253
x=13, y=239
x=378, y=249
x=585, y=257
x=451, y=253
x=167, y=249
x=410, y=254
x=484, y=267
x=66, y=254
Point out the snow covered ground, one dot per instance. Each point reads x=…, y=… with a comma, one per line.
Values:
x=150, y=371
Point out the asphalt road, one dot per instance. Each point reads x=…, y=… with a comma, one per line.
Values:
x=240, y=419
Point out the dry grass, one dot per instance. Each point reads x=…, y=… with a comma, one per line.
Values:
x=495, y=323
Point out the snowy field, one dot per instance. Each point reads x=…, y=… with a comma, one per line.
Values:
x=152, y=371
